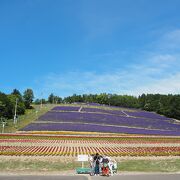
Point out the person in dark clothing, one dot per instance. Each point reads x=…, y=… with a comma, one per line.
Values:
x=96, y=164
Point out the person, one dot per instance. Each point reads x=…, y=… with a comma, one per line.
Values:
x=100, y=164
x=110, y=165
x=91, y=160
x=105, y=168
x=96, y=164
x=114, y=166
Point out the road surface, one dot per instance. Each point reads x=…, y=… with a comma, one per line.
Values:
x=42, y=177
x=87, y=177
x=141, y=177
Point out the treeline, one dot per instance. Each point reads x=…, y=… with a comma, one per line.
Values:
x=52, y=99
x=103, y=98
x=168, y=105
x=8, y=103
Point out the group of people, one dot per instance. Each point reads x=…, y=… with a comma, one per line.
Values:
x=102, y=165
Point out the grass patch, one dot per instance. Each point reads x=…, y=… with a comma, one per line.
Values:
x=23, y=120
x=150, y=165
x=58, y=165
x=36, y=166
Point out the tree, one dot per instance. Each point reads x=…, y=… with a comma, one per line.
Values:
x=54, y=99
x=57, y=99
x=6, y=107
x=20, y=104
x=16, y=92
x=28, y=98
x=39, y=101
x=142, y=101
x=16, y=95
x=51, y=98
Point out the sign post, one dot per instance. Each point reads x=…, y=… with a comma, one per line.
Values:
x=82, y=158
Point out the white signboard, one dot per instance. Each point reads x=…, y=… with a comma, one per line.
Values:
x=82, y=158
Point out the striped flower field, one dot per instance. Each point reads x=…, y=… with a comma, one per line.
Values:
x=114, y=146
x=104, y=120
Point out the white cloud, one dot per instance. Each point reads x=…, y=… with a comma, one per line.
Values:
x=170, y=41
x=155, y=72
x=164, y=60
x=135, y=80
x=170, y=85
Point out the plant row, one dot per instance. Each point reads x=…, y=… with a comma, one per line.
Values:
x=74, y=151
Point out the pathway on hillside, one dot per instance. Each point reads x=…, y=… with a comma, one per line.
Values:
x=125, y=113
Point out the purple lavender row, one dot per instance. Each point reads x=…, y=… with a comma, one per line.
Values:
x=108, y=119
x=150, y=115
x=104, y=105
x=109, y=106
x=65, y=108
x=103, y=111
x=94, y=104
x=94, y=128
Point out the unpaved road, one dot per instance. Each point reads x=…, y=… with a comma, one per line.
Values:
x=87, y=177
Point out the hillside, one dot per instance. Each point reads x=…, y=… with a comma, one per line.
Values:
x=106, y=119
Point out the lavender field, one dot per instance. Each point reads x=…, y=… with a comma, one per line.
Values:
x=98, y=119
x=107, y=119
x=95, y=128
x=146, y=114
x=66, y=108
x=104, y=111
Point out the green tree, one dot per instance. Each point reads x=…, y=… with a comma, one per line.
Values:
x=28, y=98
x=39, y=101
x=16, y=93
x=57, y=99
x=51, y=98
x=6, y=107
x=20, y=103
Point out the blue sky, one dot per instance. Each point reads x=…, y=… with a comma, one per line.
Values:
x=90, y=46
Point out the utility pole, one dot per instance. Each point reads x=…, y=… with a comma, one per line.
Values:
x=3, y=121
x=3, y=125
x=41, y=100
x=15, y=112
